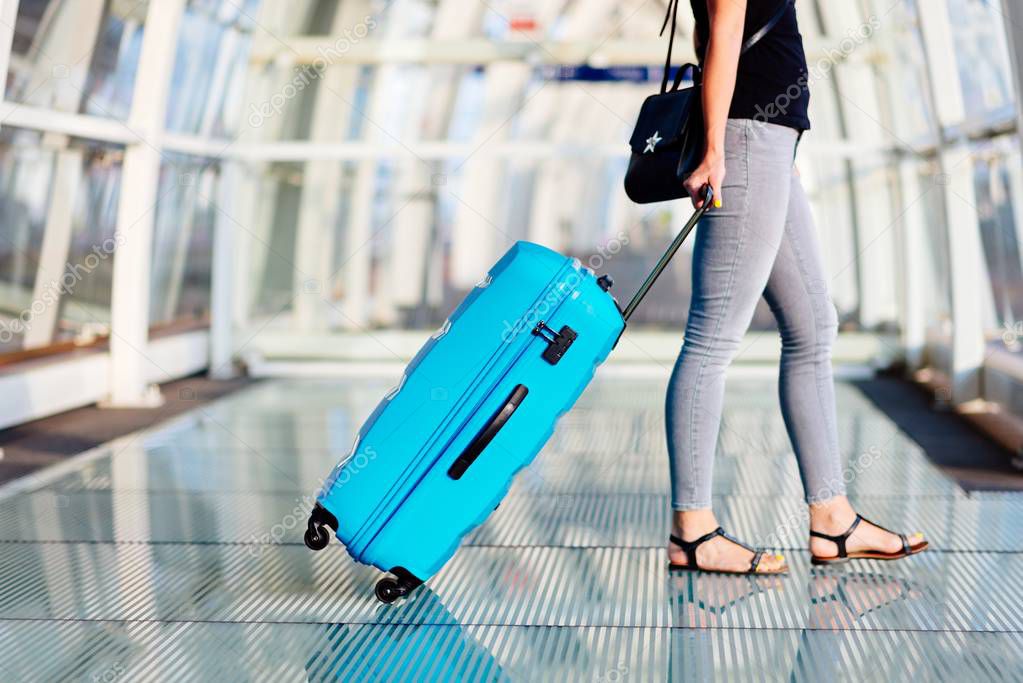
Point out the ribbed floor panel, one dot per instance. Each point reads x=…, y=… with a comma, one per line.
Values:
x=533, y=586
x=342, y=652
x=963, y=524
x=177, y=555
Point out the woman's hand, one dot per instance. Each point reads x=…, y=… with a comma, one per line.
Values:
x=711, y=171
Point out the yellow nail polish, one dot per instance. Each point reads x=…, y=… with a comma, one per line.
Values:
x=717, y=203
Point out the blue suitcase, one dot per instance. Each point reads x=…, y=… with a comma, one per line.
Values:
x=474, y=407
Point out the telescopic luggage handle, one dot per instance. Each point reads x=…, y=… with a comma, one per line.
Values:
x=708, y=195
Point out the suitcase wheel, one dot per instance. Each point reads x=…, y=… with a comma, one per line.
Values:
x=316, y=535
x=390, y=588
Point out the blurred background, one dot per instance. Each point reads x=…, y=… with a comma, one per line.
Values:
x=281, y=200
x=275, y=187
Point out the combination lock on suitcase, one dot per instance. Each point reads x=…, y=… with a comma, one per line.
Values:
x=475, y=406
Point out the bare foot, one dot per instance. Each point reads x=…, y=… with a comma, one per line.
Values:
x=835, y=516
x=717, y=554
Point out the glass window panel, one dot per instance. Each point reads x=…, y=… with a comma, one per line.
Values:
x=995, y=162
x=26, y=170
x=82, y=290
x=111, y=80
x=86, y=286
x=183, y=240
x=212, y=62
x=57, y=62
x=273, y=243
x=982, y=55
x=903, y=70
x=826, y=180
x=937, y=266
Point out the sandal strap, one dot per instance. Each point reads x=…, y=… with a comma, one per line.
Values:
x=737, y=542
x=878, y=526
x=755, y=562
x=840, y=539
x=689, y=547
x=906, y=548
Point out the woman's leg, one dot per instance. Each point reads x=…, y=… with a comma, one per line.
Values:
x=797, y=292
x=735, y=250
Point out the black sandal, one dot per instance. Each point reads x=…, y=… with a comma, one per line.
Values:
x=689, y=548
x=844, y=556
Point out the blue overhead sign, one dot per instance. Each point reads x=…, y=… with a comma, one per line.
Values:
x=614, y=74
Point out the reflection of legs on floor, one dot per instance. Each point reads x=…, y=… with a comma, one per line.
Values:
x=837, y=604
x=700, y=600
x=839, y=601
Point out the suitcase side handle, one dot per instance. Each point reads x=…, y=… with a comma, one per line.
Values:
x=487, y=434
x=708, y=195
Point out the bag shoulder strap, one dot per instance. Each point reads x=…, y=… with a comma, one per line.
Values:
x=673, y=15
x=757, y=36
x=766, y=28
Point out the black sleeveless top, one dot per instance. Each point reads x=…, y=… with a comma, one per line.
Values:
x=771, y=83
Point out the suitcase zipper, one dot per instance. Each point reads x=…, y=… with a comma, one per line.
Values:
x=404, y=491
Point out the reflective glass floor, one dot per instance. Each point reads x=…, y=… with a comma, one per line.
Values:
x=176, y=554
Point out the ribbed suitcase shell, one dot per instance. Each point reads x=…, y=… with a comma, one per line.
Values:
x=395, y=503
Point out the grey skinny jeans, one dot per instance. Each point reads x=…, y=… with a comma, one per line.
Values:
x=762, y=241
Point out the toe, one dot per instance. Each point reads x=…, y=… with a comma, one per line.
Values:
x=771, y=563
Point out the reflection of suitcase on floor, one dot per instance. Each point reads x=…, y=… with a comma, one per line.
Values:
x=474, y=407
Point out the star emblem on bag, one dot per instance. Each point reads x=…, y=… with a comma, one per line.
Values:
x=651, y=142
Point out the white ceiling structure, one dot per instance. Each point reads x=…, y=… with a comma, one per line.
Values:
x=314, y=166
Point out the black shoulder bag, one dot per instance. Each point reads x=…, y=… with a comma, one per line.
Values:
x=668, y=142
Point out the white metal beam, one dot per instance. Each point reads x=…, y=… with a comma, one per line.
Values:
x=322, y=180
x=969, y=281
x=58, y=63
x=8, y=17
x=74, y=33
x=254, y=151
x=477, y=233
x=129, y=305
x=968, y=276
x=184, y=199
x=483, y=51
x=357, y=307
x=913, y=249
x=414, y=269
x=53, y=255
x=252, y=212
x=1012, y=11
x=223, y=276
x=546, y=117
x=43, y=389
x=864, y=119
x=246, y=199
